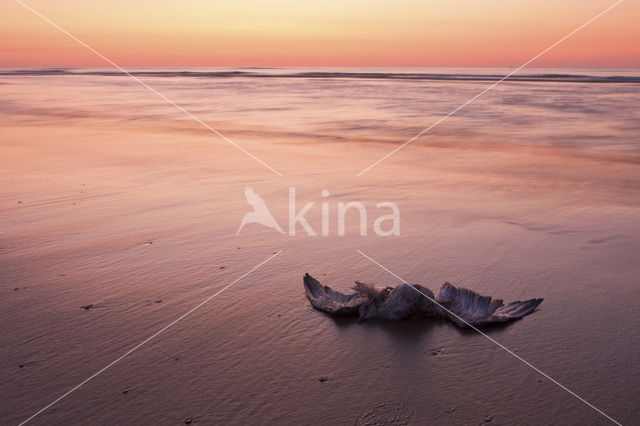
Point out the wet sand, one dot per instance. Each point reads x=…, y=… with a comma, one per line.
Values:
x=108, y=234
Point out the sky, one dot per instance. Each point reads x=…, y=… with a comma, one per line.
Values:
x=490, y=33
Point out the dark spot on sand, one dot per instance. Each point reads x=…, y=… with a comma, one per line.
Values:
x=20, y=365
x=148, y=242
x=222, y=267
x=323, y=379
x=489, y=418
x=190, y=420
x=125, y=391
x=450, y=410
x=87, y=307
x=19, y=202
x=435, y=352
x=159, y=301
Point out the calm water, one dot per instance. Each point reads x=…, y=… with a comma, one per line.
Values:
x=585, y=109
x=112, y=197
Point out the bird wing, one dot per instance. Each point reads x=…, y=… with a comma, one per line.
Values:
x=333, y=302
x=470, y=308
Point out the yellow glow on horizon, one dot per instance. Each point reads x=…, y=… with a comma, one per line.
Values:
x=328, y=33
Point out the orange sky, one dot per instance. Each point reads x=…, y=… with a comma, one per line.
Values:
x=320, y=33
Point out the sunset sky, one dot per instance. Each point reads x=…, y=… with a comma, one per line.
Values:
x=320, y=33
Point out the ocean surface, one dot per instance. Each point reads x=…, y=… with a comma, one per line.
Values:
x=582, y=109
x=118, y=214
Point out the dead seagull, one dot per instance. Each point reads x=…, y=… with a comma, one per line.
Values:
x=462, y=306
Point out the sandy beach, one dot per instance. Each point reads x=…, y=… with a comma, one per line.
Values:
x=118, y=215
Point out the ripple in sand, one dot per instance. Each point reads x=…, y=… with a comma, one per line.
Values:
x=387, y=413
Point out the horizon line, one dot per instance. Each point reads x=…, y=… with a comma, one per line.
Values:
x=321, y=66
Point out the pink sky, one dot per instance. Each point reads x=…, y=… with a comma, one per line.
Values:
x=328, y=33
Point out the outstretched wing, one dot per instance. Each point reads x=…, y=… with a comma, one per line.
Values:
x=470, y=308
x=515, y=310
x=333, y=302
